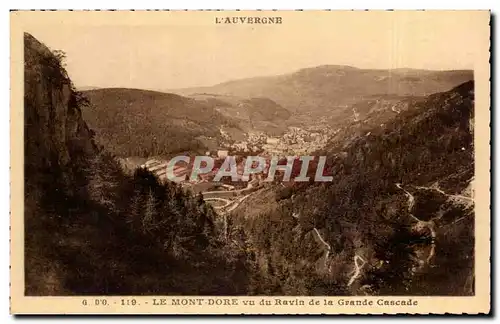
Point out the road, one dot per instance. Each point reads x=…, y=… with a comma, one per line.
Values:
x=225, y=195
x=231, y=198
x=226, y=201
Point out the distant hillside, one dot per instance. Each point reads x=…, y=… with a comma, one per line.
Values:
x=330, y=90
x=253, y=114
x=133, y=122
x=399, y=210
x=86, y=88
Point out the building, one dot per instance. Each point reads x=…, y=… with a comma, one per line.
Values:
x=272, y=140
x=222, y=154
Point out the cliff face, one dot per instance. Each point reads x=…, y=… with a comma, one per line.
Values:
x=57, y=146
x=55, y=132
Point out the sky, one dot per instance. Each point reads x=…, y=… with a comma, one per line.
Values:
x=167, y=50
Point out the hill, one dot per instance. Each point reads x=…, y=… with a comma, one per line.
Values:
x=330, y=90
x=397, y=219
x=86, y=88
x=134, y=122
x=251, y=114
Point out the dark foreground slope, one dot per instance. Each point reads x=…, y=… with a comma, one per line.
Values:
x=396, y=220
x=89, y=229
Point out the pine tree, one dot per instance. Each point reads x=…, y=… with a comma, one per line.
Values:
x=134, y=217
x=102, y=181
x=148, y=221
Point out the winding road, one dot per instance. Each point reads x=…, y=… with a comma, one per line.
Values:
x=231, y=204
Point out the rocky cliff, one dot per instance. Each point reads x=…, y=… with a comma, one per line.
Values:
x=57, y=144
x=55, y=132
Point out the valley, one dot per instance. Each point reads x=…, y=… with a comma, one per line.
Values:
x=106, y=219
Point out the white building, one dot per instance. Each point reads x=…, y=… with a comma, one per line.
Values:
x=272, y=140
x=222, y=154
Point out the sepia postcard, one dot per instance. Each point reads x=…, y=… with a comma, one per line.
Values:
x=250, y=162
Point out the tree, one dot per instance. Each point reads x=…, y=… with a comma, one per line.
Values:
x=134, y=217
x=150, y=212
x=102, y=181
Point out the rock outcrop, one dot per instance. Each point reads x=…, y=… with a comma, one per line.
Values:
x=54, y=130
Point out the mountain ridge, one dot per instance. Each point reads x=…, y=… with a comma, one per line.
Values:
x=330, y=89
x=322, y=66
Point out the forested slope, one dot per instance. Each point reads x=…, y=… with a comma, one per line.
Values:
x=89, y=228
x=396, y=219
